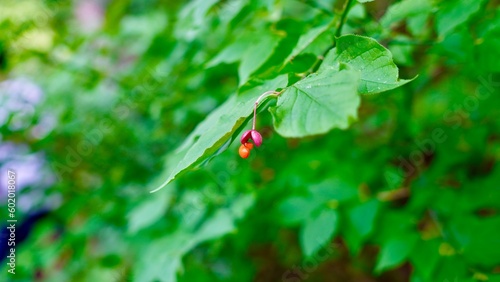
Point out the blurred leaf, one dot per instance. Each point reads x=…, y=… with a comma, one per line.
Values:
x=394, y=252
x=192, y=19
x=301, y=63
x=453, y=13
x=148, y=212
x=425, y=258
x=363, y=217
x=219, y=224
x=307, y=39
x=241, y=205
x=163, y=257
x=166, y=253
x=402, y=52
x=451, y=268
x=233, y=52
x=473, y=235
x=256, y=54
x=488, y=50
x=318, y=230
x=294, y=210
x=333, y=189
x=404, y=10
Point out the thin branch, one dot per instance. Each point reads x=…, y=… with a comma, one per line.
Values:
x=262, y=96
x=343, y=18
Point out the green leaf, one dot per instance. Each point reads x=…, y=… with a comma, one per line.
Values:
x=167, y=252
x=473, y=235
x=489, y=51
x=241, y=205
x=394, y=252
x=453, y=268
x=257, y=53
x=317, y=104
x=333, y=189
x=374, y=61
x=307, y=39
x=453, y=13
x=191, y=19
x=219, y=224
x=362, y=217
x=212, y=133
x=233, y=52
x=352, y=239
x=252, y=50
x=148, y=212
x=404, y=10
x=318, y=231
x=296, y=209
x=402, y=53
x=425, y=258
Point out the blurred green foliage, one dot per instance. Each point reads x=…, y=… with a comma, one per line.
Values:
x=409, y=192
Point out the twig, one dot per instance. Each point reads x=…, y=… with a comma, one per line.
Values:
x=345, y=11
x=262, y=96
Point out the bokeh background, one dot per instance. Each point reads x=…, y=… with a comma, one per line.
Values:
x=96, y=94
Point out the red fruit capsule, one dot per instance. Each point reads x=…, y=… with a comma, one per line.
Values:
x=251, y=134
x=245, y=136
x=244, y=151
x=256, y=137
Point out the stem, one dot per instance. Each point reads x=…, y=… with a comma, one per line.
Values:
x=343, y=16
x=254, y=115
x=345, y=11
x=262, y=96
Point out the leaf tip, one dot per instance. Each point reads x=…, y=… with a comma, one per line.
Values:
x=161, y=186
